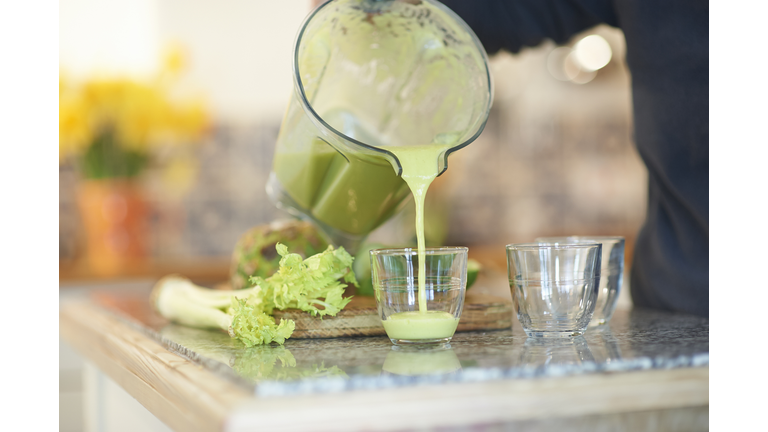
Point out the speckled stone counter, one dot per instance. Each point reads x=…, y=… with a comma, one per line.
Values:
x=634, y=340
x=647, y=371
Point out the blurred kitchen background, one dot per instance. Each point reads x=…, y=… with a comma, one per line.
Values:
x=556, y=158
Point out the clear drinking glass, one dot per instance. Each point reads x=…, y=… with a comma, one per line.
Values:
x=395, y=274
x=611, y=273
x=554, y=287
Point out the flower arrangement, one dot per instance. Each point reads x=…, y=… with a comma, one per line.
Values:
x=111, y=130
x=109, y=126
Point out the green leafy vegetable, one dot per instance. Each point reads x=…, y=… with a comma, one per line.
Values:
x=311, y=285
x=253, y=327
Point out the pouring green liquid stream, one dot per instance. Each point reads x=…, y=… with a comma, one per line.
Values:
x=419, y=164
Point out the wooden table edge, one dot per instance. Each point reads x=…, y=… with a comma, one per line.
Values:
x=182, y=394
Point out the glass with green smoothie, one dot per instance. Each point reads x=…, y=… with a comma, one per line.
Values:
x=377, y=84
x=398, y=285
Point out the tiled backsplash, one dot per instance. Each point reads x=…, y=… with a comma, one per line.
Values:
x=515, y=185
x=226, y=199
x=555, y=158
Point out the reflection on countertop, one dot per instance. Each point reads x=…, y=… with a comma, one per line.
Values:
x=635, y=340
x=418, y=361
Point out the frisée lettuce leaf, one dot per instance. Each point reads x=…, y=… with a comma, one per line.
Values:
x=315, y=285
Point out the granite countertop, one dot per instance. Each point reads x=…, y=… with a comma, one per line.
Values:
x=635, y=339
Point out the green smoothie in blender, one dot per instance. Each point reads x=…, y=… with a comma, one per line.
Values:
x=353, y=195
x=372, y=78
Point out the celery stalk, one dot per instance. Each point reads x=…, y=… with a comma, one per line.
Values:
x=236, y=312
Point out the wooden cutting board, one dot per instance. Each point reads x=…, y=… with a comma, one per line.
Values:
x=360, y=318
x=483, y=309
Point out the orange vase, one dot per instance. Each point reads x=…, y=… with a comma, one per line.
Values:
x=115, y=218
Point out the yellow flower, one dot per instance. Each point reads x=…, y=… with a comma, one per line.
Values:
x=143, y=112
x=139, y=115
x=75, y=131
x=190, y=121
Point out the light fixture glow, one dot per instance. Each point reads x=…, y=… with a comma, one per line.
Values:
x=592, y=53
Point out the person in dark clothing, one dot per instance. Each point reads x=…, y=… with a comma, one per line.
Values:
x=668, y=57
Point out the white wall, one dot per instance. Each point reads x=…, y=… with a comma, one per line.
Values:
x=108, y=36
x=239, y=50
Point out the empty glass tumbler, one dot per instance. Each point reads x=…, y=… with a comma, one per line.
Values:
x=611, y=273
x=554, y=287
x=407, y=319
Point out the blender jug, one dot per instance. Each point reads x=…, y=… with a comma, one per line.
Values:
x=368, y=76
